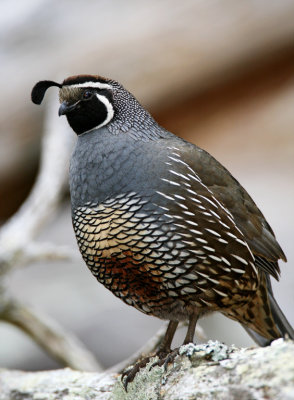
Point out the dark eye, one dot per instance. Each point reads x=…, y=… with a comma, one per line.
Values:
x=87, y=94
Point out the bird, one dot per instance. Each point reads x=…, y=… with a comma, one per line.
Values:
x=160, y=222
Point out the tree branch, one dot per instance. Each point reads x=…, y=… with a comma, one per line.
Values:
x=208, y=371
x=58, y=342
x=17, y=247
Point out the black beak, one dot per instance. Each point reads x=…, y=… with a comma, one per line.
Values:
x=65, y=108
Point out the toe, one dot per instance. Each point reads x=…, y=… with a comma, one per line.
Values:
x=129, y=375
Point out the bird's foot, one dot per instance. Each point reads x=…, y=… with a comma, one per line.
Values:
x=164, y=358
x=129, y=374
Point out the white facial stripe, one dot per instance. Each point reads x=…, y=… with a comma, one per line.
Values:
x=96, y=85
x=109, y=108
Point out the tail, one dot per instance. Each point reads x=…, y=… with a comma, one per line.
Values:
x=262, y=318
x=277, y=317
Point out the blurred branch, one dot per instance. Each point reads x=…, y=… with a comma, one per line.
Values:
x=17, y=247
x=17, y=234
x=60, y=344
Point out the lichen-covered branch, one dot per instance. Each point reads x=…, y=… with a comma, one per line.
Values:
x=208, y=372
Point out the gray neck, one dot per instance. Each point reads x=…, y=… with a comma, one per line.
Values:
x=131, y=118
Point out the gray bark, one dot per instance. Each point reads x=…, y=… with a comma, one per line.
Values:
x=207, y=371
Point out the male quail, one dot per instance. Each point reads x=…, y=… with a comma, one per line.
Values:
x=160, y=222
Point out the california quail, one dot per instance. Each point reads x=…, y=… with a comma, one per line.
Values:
x=159, y=221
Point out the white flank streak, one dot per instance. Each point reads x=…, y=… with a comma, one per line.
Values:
x=184, y=227
x=219, y=292
x=198, y=252
x=165, y=195
x=207, y=199
x=178, y=174
x=201, y=240
x=226, y=261
x=183, y=162
x=223, y=241
x=179, y=197
x=214, y=213
x=191, y=223
x=171, y=182
x=214, y=257
x=254, y=267
x=163, y=208
x=188, y=213
x=177, y=216
x=195, y=177
x=209, y=248
x=201, y=207
x=203, y=275
x=206, y=302
x=196, y=232
x=175, y=159
x=232, y=235
x=239, y=271
x=225, y=225
x=240, y=259
x=242, y=242
x=182, y=205
x=91, y=84
x=213, y=232
x=195, y=200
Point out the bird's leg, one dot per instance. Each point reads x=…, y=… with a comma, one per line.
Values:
x=171, y=355
x=164, y=347
x=162, y=353
x=191, y=329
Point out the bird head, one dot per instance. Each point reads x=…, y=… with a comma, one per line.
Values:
x=86, y=100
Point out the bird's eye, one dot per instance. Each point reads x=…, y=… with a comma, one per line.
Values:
x=87, y=94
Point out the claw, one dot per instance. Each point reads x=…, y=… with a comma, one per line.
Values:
x=130, y=373
x=165, y=358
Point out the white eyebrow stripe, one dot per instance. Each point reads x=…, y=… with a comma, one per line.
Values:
x=98, y=85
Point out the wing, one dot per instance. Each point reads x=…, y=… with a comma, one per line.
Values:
x=227, y=190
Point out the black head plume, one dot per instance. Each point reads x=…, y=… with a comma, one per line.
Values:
x=39, y=90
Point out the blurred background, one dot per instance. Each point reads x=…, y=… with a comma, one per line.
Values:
x=219, y=73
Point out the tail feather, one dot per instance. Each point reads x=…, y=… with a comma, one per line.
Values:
x=276, y=315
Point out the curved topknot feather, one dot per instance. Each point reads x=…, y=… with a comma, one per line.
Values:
x=39, y=90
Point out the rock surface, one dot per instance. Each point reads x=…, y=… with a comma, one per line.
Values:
x=209, y=371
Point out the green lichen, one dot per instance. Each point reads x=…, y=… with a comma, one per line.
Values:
x=145, y=386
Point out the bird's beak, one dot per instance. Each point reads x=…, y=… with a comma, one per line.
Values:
x=65, y=108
